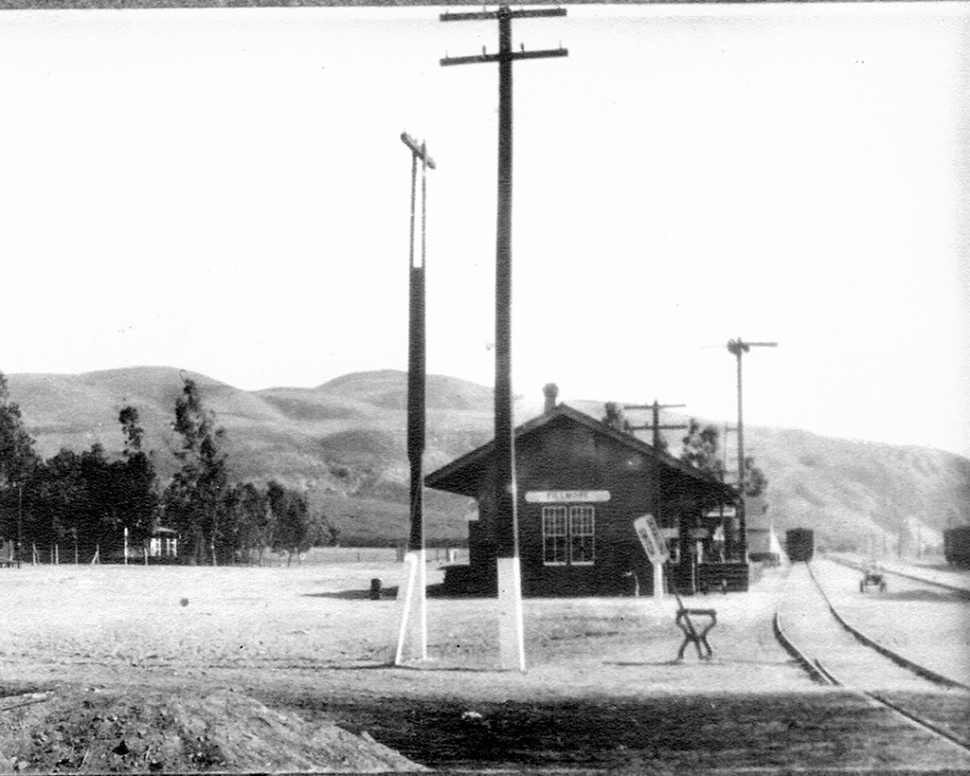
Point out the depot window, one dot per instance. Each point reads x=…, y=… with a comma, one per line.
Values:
x=568, y=535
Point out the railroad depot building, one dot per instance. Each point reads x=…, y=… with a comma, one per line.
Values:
x=580, y=485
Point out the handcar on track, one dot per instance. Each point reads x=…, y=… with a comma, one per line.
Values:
x=872, y=577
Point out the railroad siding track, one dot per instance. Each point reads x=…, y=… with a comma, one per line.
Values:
x=835, y=653
x=925, y=622
x=957, y=589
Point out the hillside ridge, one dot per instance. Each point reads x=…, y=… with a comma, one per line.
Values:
x=343, y=443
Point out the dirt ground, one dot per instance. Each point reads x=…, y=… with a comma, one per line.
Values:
x=162, y=669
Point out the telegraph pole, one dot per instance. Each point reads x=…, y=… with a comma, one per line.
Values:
x=417, y=573
x=738, y=348
x=20, y=522
x=656, y=428
x=728, y=428
x=507, y=537
x=658, y=579
x=656, y=407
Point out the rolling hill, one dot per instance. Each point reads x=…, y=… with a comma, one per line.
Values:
x=343, y=443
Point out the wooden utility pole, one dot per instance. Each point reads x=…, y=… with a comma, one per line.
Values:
x=656, y=428
x=728, y=428
x=658, y=578
x=417, y=579
x=655, y=425
x=505, y=496
x=416, y=343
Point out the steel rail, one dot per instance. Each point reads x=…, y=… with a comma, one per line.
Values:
x=897, y=658
x=819, y=673
x=960, y=591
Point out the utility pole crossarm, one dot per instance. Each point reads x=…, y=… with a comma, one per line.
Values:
x=739, y=346
x=505, y=16
x=655, y=426
x=418, y=149
x=479, y=58
x=532, y=13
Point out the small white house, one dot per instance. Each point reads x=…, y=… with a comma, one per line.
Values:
x=163, y=545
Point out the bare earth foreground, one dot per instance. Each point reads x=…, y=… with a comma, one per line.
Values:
x=175, y=669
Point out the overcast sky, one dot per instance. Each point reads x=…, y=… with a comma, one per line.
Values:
x=225, y=191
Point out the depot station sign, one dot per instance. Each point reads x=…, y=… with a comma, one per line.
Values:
x=566, y=496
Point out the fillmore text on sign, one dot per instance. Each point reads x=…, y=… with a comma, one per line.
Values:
x=560, y=496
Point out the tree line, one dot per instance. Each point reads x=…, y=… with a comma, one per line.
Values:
x=87, y=502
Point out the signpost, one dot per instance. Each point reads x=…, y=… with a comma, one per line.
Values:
x=655, y=545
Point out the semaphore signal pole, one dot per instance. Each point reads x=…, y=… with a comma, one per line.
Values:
x=507, y=539
x=417, y=573
x=738, y=348
x=416, y=344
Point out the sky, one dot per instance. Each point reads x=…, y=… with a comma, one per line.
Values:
x=225, y=191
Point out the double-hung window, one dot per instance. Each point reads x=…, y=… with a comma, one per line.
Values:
x=568, y=535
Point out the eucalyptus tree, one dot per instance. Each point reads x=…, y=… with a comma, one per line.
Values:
x=195, y=495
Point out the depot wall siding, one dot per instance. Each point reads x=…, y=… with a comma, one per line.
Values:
x=572, y=458
x=562, y=459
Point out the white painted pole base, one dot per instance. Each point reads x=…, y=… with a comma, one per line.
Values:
x=415, y=600
x=511, y=631
x=658, y=581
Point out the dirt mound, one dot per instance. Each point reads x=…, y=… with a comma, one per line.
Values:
x=137, y=731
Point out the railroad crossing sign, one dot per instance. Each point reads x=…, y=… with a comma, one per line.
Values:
x=652, y=539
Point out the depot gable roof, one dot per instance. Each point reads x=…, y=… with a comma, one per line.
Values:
x=460, y=475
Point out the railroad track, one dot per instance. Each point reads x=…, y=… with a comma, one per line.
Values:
x=811, y=629
x=963, y=592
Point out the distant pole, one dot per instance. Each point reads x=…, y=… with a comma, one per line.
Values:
x=417, y=579
x=505, y=497
x=738, y=347
x=20, y=522
x=724, y=457
x=656, y=428
x=655, y=425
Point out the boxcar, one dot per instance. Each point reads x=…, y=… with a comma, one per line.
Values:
x=800, y=544
x=956, y=546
